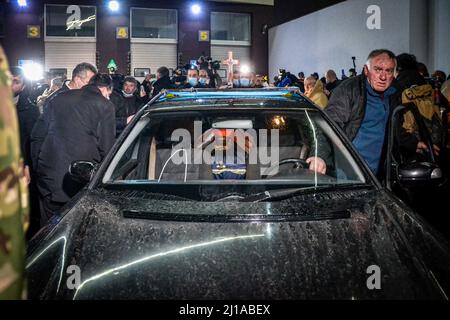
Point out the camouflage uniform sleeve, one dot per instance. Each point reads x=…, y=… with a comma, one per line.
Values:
x=13, y=195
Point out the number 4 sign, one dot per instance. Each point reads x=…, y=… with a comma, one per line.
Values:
x=122, y=33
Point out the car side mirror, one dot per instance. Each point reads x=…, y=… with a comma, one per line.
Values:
x=81, y=171
x=419, y=174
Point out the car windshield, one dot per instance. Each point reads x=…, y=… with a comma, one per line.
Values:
x=239, y=146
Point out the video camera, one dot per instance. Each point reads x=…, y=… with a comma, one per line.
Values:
x=178, y=75
x=435, y=82
x=202, y=63
x=189, y=66
x=213, y=65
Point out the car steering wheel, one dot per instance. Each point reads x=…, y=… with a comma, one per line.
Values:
x=299, y=164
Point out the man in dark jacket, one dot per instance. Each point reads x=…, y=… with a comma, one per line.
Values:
x=81, y=74
x=407, y=76
x=81, y=127
x=163, y=81
x=331, y=82
x=407, y=72
x=127, y=103
x=361, y=106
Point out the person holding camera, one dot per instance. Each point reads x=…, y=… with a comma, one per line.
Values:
x=147, y=85
x=286, y=79
x=215, y=81
x=178, y=78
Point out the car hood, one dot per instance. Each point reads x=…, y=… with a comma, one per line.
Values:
x=95, y=252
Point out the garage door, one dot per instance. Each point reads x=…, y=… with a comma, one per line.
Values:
x=153, y=56
x=67, y=55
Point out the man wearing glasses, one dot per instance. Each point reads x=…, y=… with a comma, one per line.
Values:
x=361, y=106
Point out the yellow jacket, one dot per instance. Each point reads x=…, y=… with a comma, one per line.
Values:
x=318, y=96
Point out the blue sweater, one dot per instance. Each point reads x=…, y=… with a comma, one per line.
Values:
x=370, y=138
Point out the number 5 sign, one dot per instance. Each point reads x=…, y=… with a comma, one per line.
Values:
x=33, y=31
x=203, y=35
x=122, y=33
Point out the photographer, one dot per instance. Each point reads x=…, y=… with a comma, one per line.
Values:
x=178, y=78
x=147, y=84
x=215, y=81
x=203, y=63
x=436, y=81
x=287, y=79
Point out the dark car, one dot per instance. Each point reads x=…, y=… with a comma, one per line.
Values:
x=210, y=195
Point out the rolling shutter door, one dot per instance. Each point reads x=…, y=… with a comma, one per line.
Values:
x=153, y=56
x=68, y=54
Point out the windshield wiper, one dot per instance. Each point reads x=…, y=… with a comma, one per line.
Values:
x=237, y=217
x=286, y=193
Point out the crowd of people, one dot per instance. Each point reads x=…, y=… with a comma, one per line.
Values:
x=81, y=117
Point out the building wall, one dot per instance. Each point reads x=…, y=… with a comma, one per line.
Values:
x=330, y=37
x=439, y=36
x=15, y=42
x=287, y=10
x=419, y=30
x=18, y=46
x=108, y=47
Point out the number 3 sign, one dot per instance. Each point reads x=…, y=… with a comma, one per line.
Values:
x=33, y=31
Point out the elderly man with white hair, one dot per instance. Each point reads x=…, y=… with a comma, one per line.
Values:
x=362, y=105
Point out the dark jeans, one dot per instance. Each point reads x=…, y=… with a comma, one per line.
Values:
x=49, y=208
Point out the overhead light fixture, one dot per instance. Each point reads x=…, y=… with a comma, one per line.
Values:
x=196, y=9
x=22, y=3
x=113, y=6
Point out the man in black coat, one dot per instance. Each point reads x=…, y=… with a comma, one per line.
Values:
x=331, y=82
x=407, y=72
x=163, y=82
x=127, y=103
x=81, y=126
x=81, y=75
